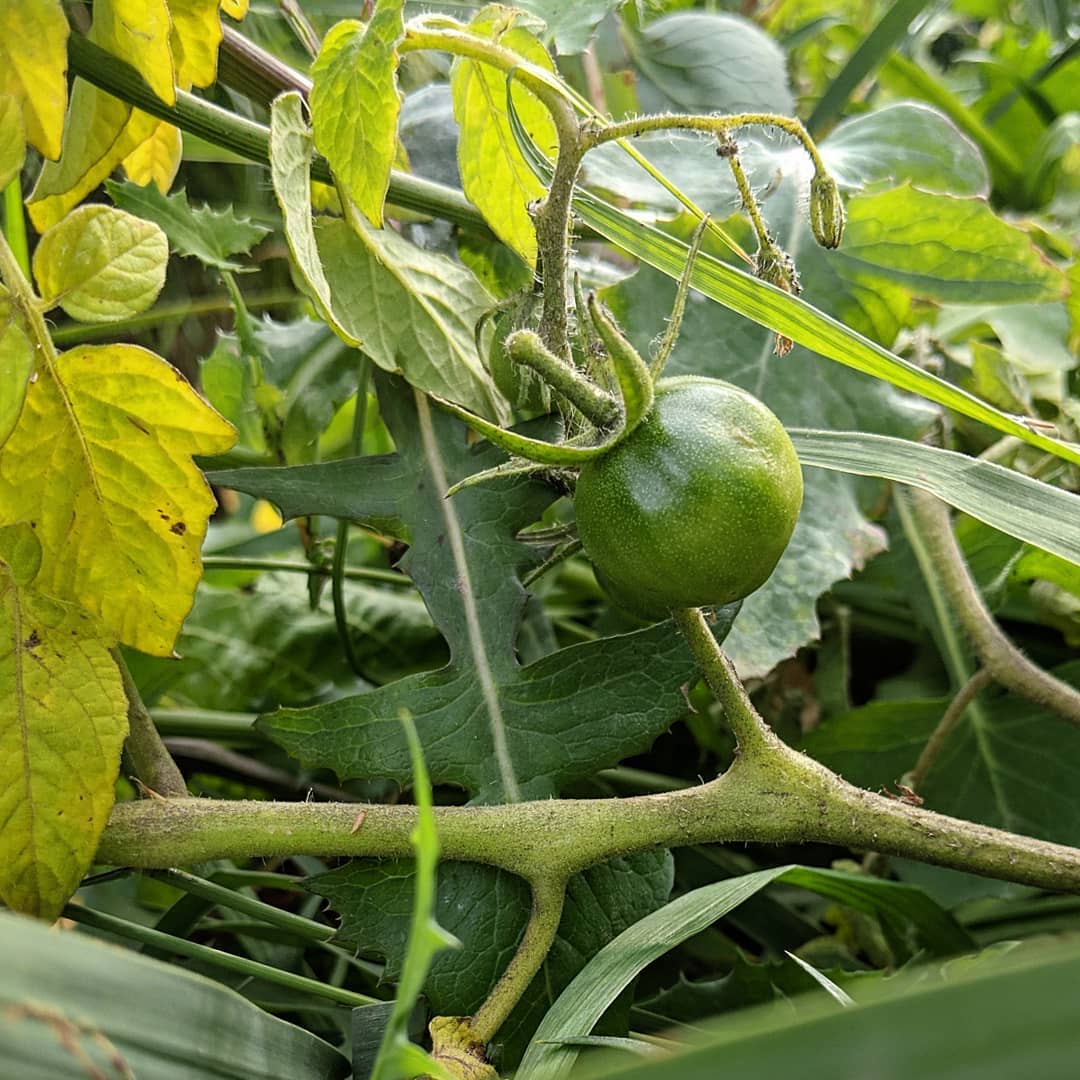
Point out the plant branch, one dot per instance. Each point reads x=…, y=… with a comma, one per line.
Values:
x=548, y=896
x=951, y=717
x=153, y=763
x=1002, y=659
x=15, y=225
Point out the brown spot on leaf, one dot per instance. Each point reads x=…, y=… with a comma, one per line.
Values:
x=33, y=641
x=135, y=423
x=178, y=527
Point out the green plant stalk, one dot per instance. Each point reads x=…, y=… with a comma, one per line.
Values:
x=341, y=540
x=596, y=405
x=286, y=566
x=248, y=139
x=1003, y=660
x=239, y=902
x=15, y=225
x=153, y=763
x=99, y=920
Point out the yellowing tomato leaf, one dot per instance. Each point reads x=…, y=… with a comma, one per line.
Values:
x=102, y=131
x=16, y=366
x=355, y=104
x=12, y=139
x=33, y=67
x=63, y=720
x=157, y=159
x=494, y=172
x=100, y=264
x=196, y=35
x=100, y=462
x=138, y=31
x=235, y=9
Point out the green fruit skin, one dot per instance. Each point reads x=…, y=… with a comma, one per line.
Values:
x=695, y=507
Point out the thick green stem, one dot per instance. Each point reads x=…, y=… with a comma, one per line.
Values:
x=15, y=225
x=153, y=763
x=548, y=895
x=596, y=405
x=1002, y=659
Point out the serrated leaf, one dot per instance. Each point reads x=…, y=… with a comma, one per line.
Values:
x=12, y=139
x=703, y=62
x=196, y=35
x=945, y=248
x=101, y=130
x=157, y=158
x=355, y=104
x=100, y=264
x=100, y=462
x=1008, y=763
x=33, y=67
x=625, y=690
x=16, y=366
x=486, y=909
x=64, y=720
x=209, y=235
x=494, y=174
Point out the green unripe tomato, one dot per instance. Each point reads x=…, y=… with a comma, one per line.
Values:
x=695, y=507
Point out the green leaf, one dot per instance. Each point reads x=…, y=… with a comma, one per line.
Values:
x=291, y=150
x=945, y=248
x=463, y=550
x=583, y=1002
x=570, y=23
x=12, y=140
x=211, y=236
x=1008, y=764
x=355, y=105
x=101, y=265
x=703, y=62
x=905, y=141
x=487, y=909
x=410, y=310
x=495, y=175
x=999, y=1017
x=68, y=999
x=16, y=366
x=1028, y=509
x=33, y=64
x=64, y=720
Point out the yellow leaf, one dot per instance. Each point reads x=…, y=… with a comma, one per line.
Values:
x=494, y=173
x=33, y=67
x=101, y=130
x=16, y=366
x=156, y=159
x=196, y=35
x=63, y=720
x=100, y=461
x=138, y=31
x=235, y=9
x=12, y=139
x=101, y=264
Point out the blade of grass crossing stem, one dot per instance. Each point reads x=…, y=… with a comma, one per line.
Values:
x=779, y=311
x=835, y=992
x=1017, y=505
x=341, y=541
x=397, y=1056
x=875, y=48
x=584, y=1001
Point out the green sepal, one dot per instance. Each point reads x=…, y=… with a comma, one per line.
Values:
x=514, y=467
x=631, y=372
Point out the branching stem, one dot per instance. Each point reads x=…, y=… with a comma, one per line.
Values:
x=1002, y=659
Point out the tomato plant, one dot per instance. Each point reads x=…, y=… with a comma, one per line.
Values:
x=277, y=630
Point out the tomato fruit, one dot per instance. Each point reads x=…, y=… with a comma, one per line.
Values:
x=695, y=507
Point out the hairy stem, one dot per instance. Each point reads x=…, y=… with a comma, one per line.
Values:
x=548, y=895
x=952, y=716
x=1002, y=659
x=153, y=763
